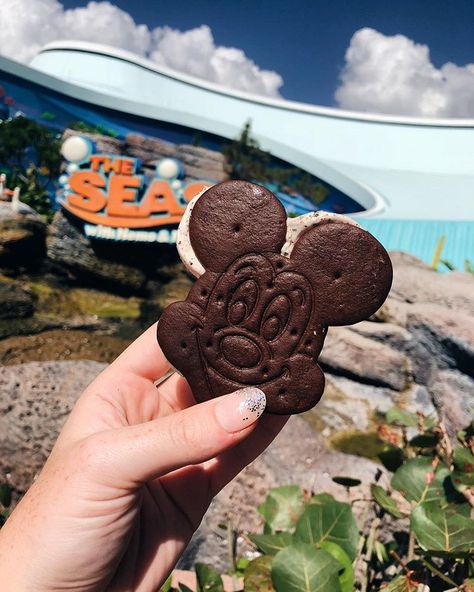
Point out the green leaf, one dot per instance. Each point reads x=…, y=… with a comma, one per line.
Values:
x=321, y=498
x=346, y=577
x=464, y=435
x=380, y=552
x=302, y=568
x=5, y=495
x=208, y=579
x=241, y=565
x=270, y=544
x=463, y=474
x=463, y=459
x=167, y=585
x=401, y=583
x=282, y=507
x=391, y=457
x=347, y=481
x=426, y=440
x=415, y=480
x=383, y=499
x=442, y=530
x=258, y=575
x=333, y=521
x=400, y=417
x=184, y=588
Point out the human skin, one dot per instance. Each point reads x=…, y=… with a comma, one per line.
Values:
x=129, y=479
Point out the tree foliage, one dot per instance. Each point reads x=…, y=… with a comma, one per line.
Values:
x=248, y=162
x=30, y=157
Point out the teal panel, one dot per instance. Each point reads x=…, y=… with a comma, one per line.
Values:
x=420, y=237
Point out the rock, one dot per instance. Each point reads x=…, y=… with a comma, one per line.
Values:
x=70, y=342
x=16, y=302
x=103, y=143
x=348, y=405
x=199, y=163
x=35, y=400
x=22, y=240
x=422, y=363
x=173, y=285
x=453, y=395
x=69, y=248
x=346, y=353
x=447, y=335
x=392, y=311
x=387, y=333
x=415, y=282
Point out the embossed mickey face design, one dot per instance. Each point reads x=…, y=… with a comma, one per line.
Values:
x=256, y=317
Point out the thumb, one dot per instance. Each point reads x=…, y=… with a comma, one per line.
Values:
x=137, y=454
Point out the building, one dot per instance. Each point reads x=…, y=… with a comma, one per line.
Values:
x=409, y=181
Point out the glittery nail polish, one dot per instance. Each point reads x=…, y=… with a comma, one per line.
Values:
x=238, y=410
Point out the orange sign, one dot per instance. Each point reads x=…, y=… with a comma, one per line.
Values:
x=107, y=191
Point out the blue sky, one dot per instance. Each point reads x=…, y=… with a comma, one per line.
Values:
x=407, y=57
x=305, y=41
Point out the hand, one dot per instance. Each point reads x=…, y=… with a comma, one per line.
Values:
x=129, y=479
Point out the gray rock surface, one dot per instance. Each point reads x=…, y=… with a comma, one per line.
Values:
x=453, y=395
x=416, y=282
x=448, y=335
x=348, y=354
x=15, y=302
x=199, y=163
x=71, y=250
x=35, y=400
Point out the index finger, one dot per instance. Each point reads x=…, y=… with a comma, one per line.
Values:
x=143, y=357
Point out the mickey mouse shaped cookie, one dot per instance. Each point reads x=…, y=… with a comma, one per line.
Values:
x=268, y=288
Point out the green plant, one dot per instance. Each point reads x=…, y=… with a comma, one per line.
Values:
x=313, y=542
x=82, y=126
x=30, y=156
x=247, y=161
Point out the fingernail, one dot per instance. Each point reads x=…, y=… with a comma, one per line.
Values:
x=240, y=409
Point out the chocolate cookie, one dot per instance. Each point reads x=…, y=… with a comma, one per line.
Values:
x=269, y=288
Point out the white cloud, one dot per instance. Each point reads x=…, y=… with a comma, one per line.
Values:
x=195, y=52
x=395, y=75
x=27, y=25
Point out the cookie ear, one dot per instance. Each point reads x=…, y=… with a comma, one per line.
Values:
x=235, y=218
x=349, y=270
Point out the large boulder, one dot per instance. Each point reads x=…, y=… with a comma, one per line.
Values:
x=453, y=395
x=447, y=335
x=35, y=400
x=199, y=163
x=15, y=302
x=72, y=251
x=414, y=282
x=349, y=354
x=349, y=407
x=22, y=239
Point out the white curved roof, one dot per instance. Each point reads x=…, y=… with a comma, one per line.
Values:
x=397, y=167
x=113, y=52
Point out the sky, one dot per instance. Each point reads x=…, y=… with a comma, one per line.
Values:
x=410, y=57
